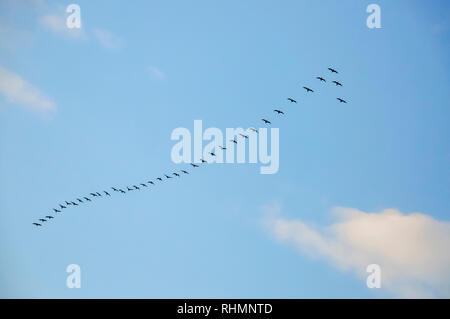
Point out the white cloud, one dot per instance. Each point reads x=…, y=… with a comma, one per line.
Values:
x=107, y=39
x=57, y=24
x=156, y=73
x=412, y=250
x=19, y=91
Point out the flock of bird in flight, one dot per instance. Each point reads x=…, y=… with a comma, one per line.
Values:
x=94, y=195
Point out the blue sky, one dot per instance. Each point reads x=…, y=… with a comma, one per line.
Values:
x=100, y=105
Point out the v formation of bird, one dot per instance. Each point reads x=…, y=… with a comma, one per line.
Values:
x=131, y=188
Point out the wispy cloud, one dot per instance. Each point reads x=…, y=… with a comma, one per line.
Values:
x=57, y=23
x=412, y=250
x=19, y=91
x=107, y=39
x=156, y=73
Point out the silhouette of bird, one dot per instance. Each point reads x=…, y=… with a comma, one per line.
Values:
x=142, y=184
x=279, y=112
x=36, y=224
x=150, y=182
x=136, y=187
x=234, y=141
x=74, y=204
x=291, y=100
x=129, y=189
x=122, y=191
x=266, y=121
x=341, y=100
x=176, y=174
x=333, y=70
x=307, y=89
x=159, y=179
x=99, y=194
x=203, y=161
x=254, y=129
x=167, y=176
x=79, y=200
x=212, y=154
x=243, y=135
x=184, y=172
x=93, y=194
x=337, y=83
x=42, y=220
x=56, y=211
x=321, y=79
x=62, y=206
x=87, y=199
x=193, y=165
x=106, y=193
x=222, y=148
x=49, y=217
x=114, y=189
x=67, y=203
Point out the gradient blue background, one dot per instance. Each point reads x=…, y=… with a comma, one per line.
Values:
x=228, y=63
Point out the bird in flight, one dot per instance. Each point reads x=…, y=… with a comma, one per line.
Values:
x=278, y=111
x=266, y=121
x=99, y=194
x=87, y=199
x=321, y=79
x=167, y=176
x=150, y=182
x=337, y=83
x=114, y=189
x=222, y=148
x=176, y=174
x=159, y=179
x=93, y=194
x=74, y=204
x=36, y=224
x=243, y=135
x=62, y=206
x=42, y=220
x=122, y=191
x=291, y=100
x=234, y=141
x=185, y=172
x=341, y=100
x=106, y=193
x=307, y=89
x=135, y=187
x=79, y=200
x=49, y=217
x=56, y=211
x=203, y=161
x=254, y=129
x=129, y=189
x=67, y=203
x=212, y=154
x=333, y=70
x=142, y=184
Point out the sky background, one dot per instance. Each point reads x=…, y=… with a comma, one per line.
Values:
x=102, y=103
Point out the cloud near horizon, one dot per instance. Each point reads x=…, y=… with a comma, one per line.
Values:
x=412, y=250
x=19, y=91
